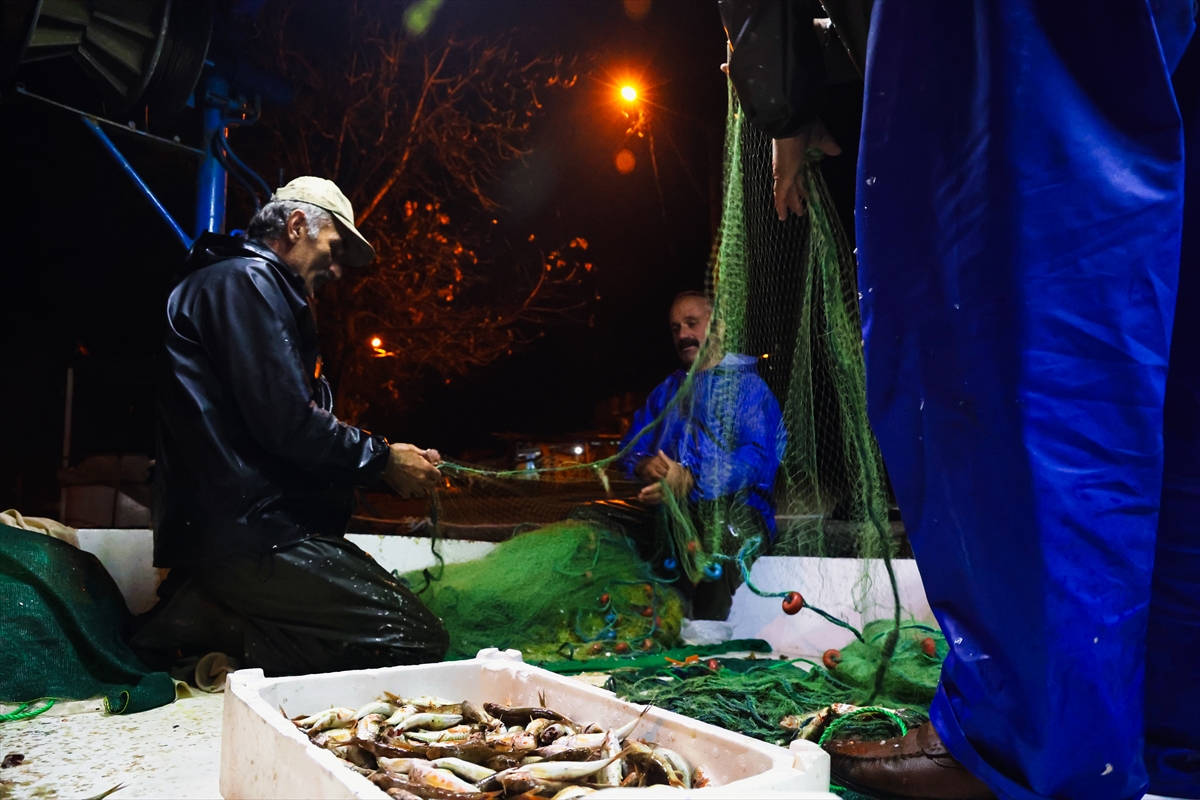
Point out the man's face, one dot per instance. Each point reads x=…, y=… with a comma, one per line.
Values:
x=689, y=323
x=317, y=261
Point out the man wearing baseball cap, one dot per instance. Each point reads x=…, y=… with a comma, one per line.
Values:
x=256, y=476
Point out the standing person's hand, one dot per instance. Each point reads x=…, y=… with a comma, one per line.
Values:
x=411, y=471
x=787, y=167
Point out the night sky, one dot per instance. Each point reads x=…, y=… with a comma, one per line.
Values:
x=88, y=264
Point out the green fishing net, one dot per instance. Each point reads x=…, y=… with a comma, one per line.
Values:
x=568, y=590
x=784, y=295
x=776, y=701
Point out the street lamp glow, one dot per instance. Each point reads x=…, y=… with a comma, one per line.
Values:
x=376, y=342
x=628, y=93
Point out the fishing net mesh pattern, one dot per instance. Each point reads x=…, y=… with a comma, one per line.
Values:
x=62, y=629
x=784, y=294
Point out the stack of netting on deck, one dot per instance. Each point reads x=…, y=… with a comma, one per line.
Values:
x=778, y=701
x=784, y=294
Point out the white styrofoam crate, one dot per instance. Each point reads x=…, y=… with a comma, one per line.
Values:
x=263, y=755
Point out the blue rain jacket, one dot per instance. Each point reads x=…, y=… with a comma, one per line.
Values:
x=729, y=432
x=1020, y=211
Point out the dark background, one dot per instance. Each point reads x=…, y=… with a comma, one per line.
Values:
x=88, y=265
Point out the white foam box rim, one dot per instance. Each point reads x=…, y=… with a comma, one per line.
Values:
x=263, y=755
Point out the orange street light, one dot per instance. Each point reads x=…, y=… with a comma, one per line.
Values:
x=629, y=93
x=376, y=342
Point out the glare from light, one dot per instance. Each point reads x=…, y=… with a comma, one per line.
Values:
x=377, y=342
x=629, y=93
x=578, y=450
x=625, y=162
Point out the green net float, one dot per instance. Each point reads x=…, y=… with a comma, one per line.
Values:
x=793, y=602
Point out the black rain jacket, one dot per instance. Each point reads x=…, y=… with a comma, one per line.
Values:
x=780, y=67
x=250, y=455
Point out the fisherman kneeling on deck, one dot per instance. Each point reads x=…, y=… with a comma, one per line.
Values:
x=256, y=476
x=710, y=438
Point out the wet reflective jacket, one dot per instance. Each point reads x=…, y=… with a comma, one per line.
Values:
x=728, y=431
x=250, y=455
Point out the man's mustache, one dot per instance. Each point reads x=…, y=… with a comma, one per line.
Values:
x=686, y=343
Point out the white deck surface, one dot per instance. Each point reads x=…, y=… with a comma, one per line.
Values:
x=173, y=751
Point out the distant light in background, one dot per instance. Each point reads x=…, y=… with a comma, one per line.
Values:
x=628, y=94
x=376, y=342
x=419, y=16
x=636, y=9
x=625, y=162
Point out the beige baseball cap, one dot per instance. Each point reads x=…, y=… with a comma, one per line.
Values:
x=325, y=194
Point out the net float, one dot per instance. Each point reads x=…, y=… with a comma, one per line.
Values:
x=604, y=598
x=647, y=644
x=831, y=658
x=713, y=664
x=648, y=611
x=929, y=646
x=622, y=647
x=793, y=603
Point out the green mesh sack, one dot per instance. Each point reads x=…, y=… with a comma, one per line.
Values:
x=568, y=590
x=62, y=626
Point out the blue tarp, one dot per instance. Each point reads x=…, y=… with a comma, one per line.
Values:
x=1020, y=211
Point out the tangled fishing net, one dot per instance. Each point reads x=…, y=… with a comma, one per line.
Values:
x=777, y=701
x=784, y=298
x=566, y=590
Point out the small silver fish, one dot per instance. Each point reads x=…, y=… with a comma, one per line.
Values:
x=375, y=707
x=430, y=722
x=330, y=718
x=464, y=769
x=400, y=766
x=566, y=770
x=428, y=775
x=400, y=714
x=435, y=737
x=611, y=774
x=682, y=768
x=368, y=727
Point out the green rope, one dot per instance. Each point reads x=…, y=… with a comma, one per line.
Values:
x=858, y=712
x=22, y=713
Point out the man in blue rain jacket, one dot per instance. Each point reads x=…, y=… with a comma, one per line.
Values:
x=715, y=447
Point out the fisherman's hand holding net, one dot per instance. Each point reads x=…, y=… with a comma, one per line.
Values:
x=664, y=473
x=411, y=471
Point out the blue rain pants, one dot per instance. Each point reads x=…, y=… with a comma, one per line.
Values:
x=1027, y=314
